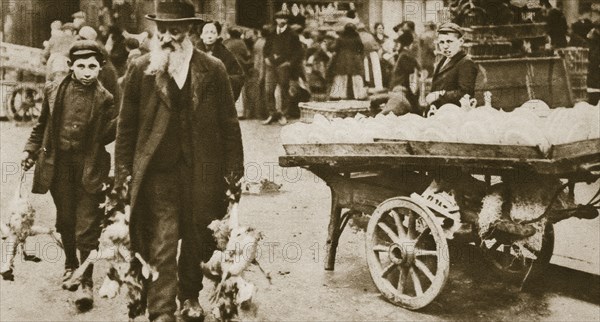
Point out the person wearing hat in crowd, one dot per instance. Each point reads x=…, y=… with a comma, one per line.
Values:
x=282, y=52
x=212, y=44
x=403, y=97
x=108, y=75
x=67, y=147
x=178, y=137
x=454, y=76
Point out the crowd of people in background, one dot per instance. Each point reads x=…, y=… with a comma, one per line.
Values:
x=308, y=53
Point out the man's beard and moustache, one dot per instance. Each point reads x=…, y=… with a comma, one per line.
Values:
x=166, y=57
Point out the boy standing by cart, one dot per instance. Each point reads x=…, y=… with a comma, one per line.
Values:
x=454, y=76
x=67, y=145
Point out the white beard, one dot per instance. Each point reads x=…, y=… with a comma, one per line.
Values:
x=165, y=59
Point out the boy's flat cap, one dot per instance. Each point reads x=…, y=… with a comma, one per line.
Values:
x=450, y=28
x=85, y=48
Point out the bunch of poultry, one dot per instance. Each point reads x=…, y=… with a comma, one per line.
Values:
x=126, y=269
x=20, y=226
x=236, y=251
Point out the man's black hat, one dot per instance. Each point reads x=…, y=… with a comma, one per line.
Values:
x=282, y=15
x=174, y=11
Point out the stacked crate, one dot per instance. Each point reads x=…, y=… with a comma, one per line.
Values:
x=505, y=41
x=576, y=60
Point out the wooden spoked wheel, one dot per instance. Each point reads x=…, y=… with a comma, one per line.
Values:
x=407, y=253
x=25, y=104
x=499, y=254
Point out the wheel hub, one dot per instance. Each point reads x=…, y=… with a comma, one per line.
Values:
x=399, y=255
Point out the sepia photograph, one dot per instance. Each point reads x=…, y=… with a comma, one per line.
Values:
x=305, y=160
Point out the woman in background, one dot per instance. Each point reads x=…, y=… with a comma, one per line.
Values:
x=212, y=44
x=346, y=66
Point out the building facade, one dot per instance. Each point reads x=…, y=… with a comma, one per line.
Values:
x=26, y=22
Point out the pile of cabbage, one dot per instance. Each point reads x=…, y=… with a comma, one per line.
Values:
x=532, y=124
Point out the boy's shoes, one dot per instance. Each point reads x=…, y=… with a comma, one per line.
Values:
x=191, y=311
x=66, y=280
x=85, y=298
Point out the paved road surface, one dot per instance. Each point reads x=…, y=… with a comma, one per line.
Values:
x=294, y=222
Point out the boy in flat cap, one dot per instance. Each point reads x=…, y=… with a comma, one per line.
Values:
x=454, y=76
x=67, y=146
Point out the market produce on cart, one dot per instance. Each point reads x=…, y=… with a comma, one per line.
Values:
x=497, y=179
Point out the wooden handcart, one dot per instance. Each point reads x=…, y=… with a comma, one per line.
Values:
x=22, y=77
x=406, y=236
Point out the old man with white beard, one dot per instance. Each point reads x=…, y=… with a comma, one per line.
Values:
x=178, y=137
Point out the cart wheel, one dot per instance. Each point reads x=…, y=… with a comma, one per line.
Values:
x=24, y=104
x=407, y=253
x=500, y=256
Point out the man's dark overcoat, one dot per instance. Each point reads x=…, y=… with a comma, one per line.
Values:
x=214, y=135
x=457, y=78
x=43, y=142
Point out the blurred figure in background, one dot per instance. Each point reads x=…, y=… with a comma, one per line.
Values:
x=404, y=97
x=282, y=52
x=133, y=49
x=117, y=50
x=346, y=67
x=386, y=52
x=427, y=47
x=78, y=20
x=238, y=48
x=254, y=87
x=556, y=25
x=57, y=51
x=409, y=26
x=373, y=74
x=212, y=44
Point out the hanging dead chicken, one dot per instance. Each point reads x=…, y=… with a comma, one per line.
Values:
x=126, y=269
x=20, y=226
x=236, y=251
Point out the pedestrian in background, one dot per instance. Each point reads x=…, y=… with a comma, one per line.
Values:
x=282, y=52
x=403, y=96
x=346, y=66
x=427, y=47
x=57, y=52
x=212, y=44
